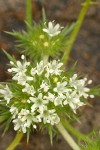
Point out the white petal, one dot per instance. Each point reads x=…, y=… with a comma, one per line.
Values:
x=45, y=30
x=50, y=26
x=57, y=26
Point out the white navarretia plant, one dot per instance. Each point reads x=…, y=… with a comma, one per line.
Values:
x=41, y=94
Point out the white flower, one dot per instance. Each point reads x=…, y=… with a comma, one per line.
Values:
x=40, y=68
x=19, y=67
x=29, y=89
x=53, y=68
x=19, y=125
x=14, y=111
x=44, y=86
x=52, y=30
x=79, y=85
x=33, y=71
x=27, y=117
x=25, y=120
x=50, y=97
x=61, y=87
x=75, y=104
x=22, y=78
x=54, y=119
x=48, y=116
x=59, y=100
x=6, y=92
x=73, y=81
x=83, y=91
x=39, y=102
x=73, y=100
x=50, y=68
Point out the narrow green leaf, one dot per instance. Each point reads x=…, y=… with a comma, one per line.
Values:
x=7, y=124
x=68, y=29
x=71, y=71
x=95, y=91
x=16, y=34
x=44, y=15
x=50, y=134
x=9, y=56
x=2, y=118
x=28, y=135
x=30, y=28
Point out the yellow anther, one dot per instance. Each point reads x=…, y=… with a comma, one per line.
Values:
x=23, y=101
x=46, y=44
x=55, y=79
x=41, y=36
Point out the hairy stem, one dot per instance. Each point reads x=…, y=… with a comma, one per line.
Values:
x=75, y=32
x=67, y=137
x=16, y=141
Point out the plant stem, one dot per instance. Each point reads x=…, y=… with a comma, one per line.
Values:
x=72, y=130
x=29, y=12
x=67, y=137
x=45, y=59
x=16, y=141
x=75, y=32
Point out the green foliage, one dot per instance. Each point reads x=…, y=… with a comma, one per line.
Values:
x=44, y=15
x=95, y=91
x=50, y=131
x=71, y=71
x=10, y=57
x=89, y=141
x=5, y=117
x=36, y=44
x=93, y=144
x=68, y=29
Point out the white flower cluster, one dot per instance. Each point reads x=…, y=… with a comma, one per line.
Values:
x=43, y=89
x=20, y=71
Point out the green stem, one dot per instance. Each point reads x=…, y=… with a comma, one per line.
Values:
x=75, y=32
x=75, y=132
x=67, y=137
x=16, y=141
x=45, y=59
x=29, y=12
